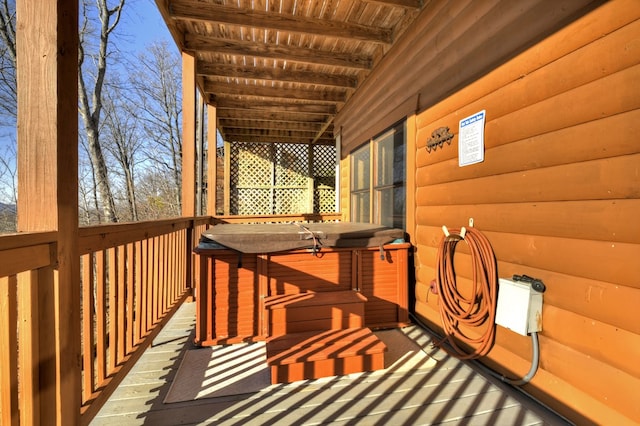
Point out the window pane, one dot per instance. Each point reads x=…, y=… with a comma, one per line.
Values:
x=399, y=207
x=360, y=207
x=385, y=158
x=385, y=207
x=360, y=173
x=399, y=164
x=390, y=207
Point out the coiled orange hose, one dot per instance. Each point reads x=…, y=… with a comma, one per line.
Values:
x=475, y=311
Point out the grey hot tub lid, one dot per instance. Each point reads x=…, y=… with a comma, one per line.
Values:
x=276, y=237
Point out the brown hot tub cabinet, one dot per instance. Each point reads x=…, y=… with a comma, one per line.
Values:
x=314, y=304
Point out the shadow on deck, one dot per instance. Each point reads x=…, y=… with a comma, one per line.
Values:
x=450, y=392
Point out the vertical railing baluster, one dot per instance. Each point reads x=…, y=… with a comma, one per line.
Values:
x=131, y=280
x=101, y=329
x=112, y=309
x=88, y=340
x=121, y=254
x=9, y=412
x=28, y=347
x=144, y=312
x=139, y=293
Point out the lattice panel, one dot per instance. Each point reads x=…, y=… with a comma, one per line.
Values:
x=253, y=201
x=324, y=197
x=254, y=164
x=324, y=173
x=250, y=174
x=291, y=200
x=292, y=165
x=324, y=160
x=274, y=178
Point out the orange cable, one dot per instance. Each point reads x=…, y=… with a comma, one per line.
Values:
x=475, y=311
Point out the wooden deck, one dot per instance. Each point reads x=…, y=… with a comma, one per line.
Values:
x=451, y=392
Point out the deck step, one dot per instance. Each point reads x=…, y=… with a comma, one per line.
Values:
x=296, y=313
x=312, y=355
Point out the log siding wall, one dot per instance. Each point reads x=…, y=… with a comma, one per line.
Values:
x=558, y=196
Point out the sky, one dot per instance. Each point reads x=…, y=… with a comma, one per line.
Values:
x=141, y=25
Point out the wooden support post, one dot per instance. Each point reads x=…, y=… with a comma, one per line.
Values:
x=199, y=155
x=410, y=178
x=338, y=189
x=227, y=178
x=212, y=160
x=189, y=154
x=311, y=184
x=47, y=75
x=188, y=134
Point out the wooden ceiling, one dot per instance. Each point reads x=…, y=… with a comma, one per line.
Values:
x=280, y=70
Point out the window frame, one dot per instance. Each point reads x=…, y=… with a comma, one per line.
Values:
x=374, y=188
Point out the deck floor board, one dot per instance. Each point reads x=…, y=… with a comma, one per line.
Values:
x=452, y=392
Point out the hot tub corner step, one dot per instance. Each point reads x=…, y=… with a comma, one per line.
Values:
x=312, y=355
x=314, y=311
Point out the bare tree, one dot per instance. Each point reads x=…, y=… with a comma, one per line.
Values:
x=88, y=205
x=8, y=190
x=157, y=195
x=91, y=102
x=158, y=89
x=8, y=84
x=123, y=143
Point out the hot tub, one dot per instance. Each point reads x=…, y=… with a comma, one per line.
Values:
x=240, y=265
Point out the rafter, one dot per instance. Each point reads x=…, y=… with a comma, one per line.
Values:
x=210, y=12
x=252, y=123
x=285, y=53
x=265, y=138
x=274, y=105
x=219, y=88
x=276, y=74
x=323, y=130
x=294, y=117
x=409, y=4
x=290, y=134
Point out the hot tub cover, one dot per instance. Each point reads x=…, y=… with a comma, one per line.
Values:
x=276, y=237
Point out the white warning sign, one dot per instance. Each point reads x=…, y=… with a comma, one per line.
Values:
x=471, y=139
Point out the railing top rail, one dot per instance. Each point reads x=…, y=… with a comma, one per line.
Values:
x=26, y=239
x=100, y=237
x=308, y=217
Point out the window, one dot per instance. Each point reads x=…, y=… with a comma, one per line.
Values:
x=378, y=172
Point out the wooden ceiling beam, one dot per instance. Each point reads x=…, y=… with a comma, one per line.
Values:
x=285, y=53
x=251, y=123
x=210, y=12
x=266, y=115
x=323, y=130
x=270, y=139
x=222, y=89
x=409, y=4
x=299, y=134
x=276, y=74
x=274, y=105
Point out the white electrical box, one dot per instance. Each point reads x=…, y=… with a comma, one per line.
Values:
x=519, y=307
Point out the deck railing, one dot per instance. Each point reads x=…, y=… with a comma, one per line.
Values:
x=133, y=277
x=27, y=262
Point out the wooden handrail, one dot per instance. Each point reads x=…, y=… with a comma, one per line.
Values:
x=143, y=267
x=100, y=237
x=26, y=239
x=309, y=217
